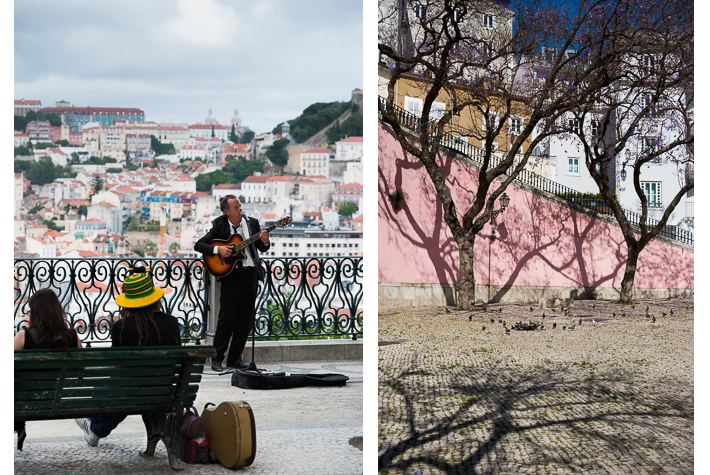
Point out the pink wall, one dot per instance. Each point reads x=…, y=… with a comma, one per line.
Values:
x=540, y=243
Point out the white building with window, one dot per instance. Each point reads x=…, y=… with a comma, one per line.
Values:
x=349, y=148
x=314, y=162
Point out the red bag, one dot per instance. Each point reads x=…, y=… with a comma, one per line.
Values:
x=194, y=444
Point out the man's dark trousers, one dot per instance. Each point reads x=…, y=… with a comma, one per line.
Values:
x=236, y=308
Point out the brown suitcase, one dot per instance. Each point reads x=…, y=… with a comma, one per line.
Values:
x=232, y=433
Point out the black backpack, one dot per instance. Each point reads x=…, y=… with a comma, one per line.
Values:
x=194, y=438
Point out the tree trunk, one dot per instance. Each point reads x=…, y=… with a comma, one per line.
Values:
x=466, y=285
x=627, y=284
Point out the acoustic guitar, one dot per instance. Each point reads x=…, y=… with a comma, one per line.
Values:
x=219, y=266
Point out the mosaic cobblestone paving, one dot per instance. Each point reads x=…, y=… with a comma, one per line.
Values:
x=615, y=397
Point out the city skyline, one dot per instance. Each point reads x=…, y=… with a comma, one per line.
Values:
x=270, y=60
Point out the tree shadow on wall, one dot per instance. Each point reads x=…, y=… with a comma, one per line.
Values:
x=440, y=248
x=503, y=406
x=546, y=243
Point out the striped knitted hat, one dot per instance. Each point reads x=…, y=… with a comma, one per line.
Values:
x=138, y=291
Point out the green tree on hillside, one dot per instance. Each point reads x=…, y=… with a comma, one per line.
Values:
x=247, y=136
x=313, y=119
x=277, y=152
x=347, y=209
x=23, y=151
x=22, y=121
x=233, y=136
x=242, y=168
x=205, y=181
x=351, y=127
x=43, y=171
x=160, y=148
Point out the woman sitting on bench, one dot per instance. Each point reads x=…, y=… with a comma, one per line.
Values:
x=142, y=323
x=48, y=328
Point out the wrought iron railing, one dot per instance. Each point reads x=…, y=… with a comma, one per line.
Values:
x=474, y=156
x=300, y=297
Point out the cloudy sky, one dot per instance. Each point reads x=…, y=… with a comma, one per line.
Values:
x=174, y=59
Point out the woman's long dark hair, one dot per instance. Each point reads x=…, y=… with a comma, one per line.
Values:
x=143, y=317
x=48, y=321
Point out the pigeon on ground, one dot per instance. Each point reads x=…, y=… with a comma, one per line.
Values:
x=500, y=310
x=531, y=309
x=671, y=312
x=507, y=331
x=580, y=322
x=623, y=314
x=572, y=327
x=447, y=310
x=500, y=320
x=646, y=309
x=654, y=319
x=543, y=315
x=493, y=320
x=594, y=322
x=613, y=314
x=663, y=313
x=554, y=309
x=564, y=327
x=542, y=326
x=470, y=317
x=483, y=327
x=633, y=307
x=503, y=322
x=554, y=325
x=594, y=306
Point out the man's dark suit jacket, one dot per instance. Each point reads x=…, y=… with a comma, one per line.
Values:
x=221, y=229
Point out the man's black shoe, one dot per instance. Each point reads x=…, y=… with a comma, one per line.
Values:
x=241, y=365
x=217, y=366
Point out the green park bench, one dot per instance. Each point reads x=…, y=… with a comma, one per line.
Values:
x=156, y=382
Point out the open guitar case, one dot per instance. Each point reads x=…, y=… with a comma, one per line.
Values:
x=254, y=378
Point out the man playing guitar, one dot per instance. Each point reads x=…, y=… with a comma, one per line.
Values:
x=238, y=292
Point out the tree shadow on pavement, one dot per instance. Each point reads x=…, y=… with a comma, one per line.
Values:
x=504, y=417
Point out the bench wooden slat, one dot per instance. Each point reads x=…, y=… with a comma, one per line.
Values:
x=123, y=353
x=105, y=371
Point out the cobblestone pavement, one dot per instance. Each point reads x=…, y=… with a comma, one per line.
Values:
x=610, y=398
x=299, y=431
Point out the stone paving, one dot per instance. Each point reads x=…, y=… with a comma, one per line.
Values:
x=610, y=398
x=299, y=431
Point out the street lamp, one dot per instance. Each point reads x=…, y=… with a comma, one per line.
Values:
x=504, y=202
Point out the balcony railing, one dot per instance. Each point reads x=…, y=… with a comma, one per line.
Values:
x=300, y=297
x=474, y=156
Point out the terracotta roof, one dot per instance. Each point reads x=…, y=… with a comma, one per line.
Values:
x=317, y=150
x=202, y=194
x=21, y=102
x=229, y=186
x=257, y=179
x=350, y=139
x=278, y=178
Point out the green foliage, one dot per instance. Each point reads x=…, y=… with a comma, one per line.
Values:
x=568, y=195
x=313, y=119
x=160, y=148
x=51, y=225
x=351, y=127
x=347, y=209
x=277, y=152
x=233, y=135
x=82, y=210
x=152, y=227
x=205, y=181
x=241, y=198
x=21, y=122
x=247, y=136
x=22, y=150
x=44, y=145
x=44, y=171
x=114, y=170
x=139, y=252
x=132, y=224
x=22, y=166
x=243, y=168
x=35, y=208
x=63, y=143
x=396, y=198
x=101, y=161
